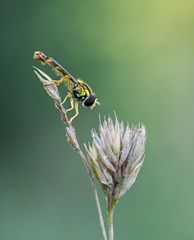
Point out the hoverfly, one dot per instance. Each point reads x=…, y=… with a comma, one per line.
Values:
x=78, y=90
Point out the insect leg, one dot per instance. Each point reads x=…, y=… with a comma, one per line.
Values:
x=58, y=82
x=55, y=82
x=65, y=99
x=72, y=105
x=76, y=112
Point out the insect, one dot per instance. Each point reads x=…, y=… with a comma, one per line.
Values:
x=78, y=90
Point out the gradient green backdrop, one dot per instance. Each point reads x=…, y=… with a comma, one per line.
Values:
x=139, y=58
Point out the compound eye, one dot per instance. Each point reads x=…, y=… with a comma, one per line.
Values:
x=89, y=101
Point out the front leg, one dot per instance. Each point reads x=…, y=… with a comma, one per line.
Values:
x=65, y=99
x=76, y=111
x=72, y=102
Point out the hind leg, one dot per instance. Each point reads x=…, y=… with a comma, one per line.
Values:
x=55, y=82
x=58, y=82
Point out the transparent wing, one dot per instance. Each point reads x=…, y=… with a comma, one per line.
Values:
x=40, y=56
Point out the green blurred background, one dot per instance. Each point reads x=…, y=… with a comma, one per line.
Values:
x=139, y=58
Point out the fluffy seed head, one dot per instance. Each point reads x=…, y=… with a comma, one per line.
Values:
x=116, y=156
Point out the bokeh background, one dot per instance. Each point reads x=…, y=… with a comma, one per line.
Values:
x=139, y=58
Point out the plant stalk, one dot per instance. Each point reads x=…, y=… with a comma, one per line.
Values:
x=94, y=188
x=100, y=216
x=110, y=224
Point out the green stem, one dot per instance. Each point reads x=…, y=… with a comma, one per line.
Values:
x=101, y=220
x=110, y=223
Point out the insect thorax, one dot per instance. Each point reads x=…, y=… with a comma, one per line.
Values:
x=80, y=93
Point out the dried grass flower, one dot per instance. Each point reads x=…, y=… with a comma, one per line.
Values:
x=116, y=156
